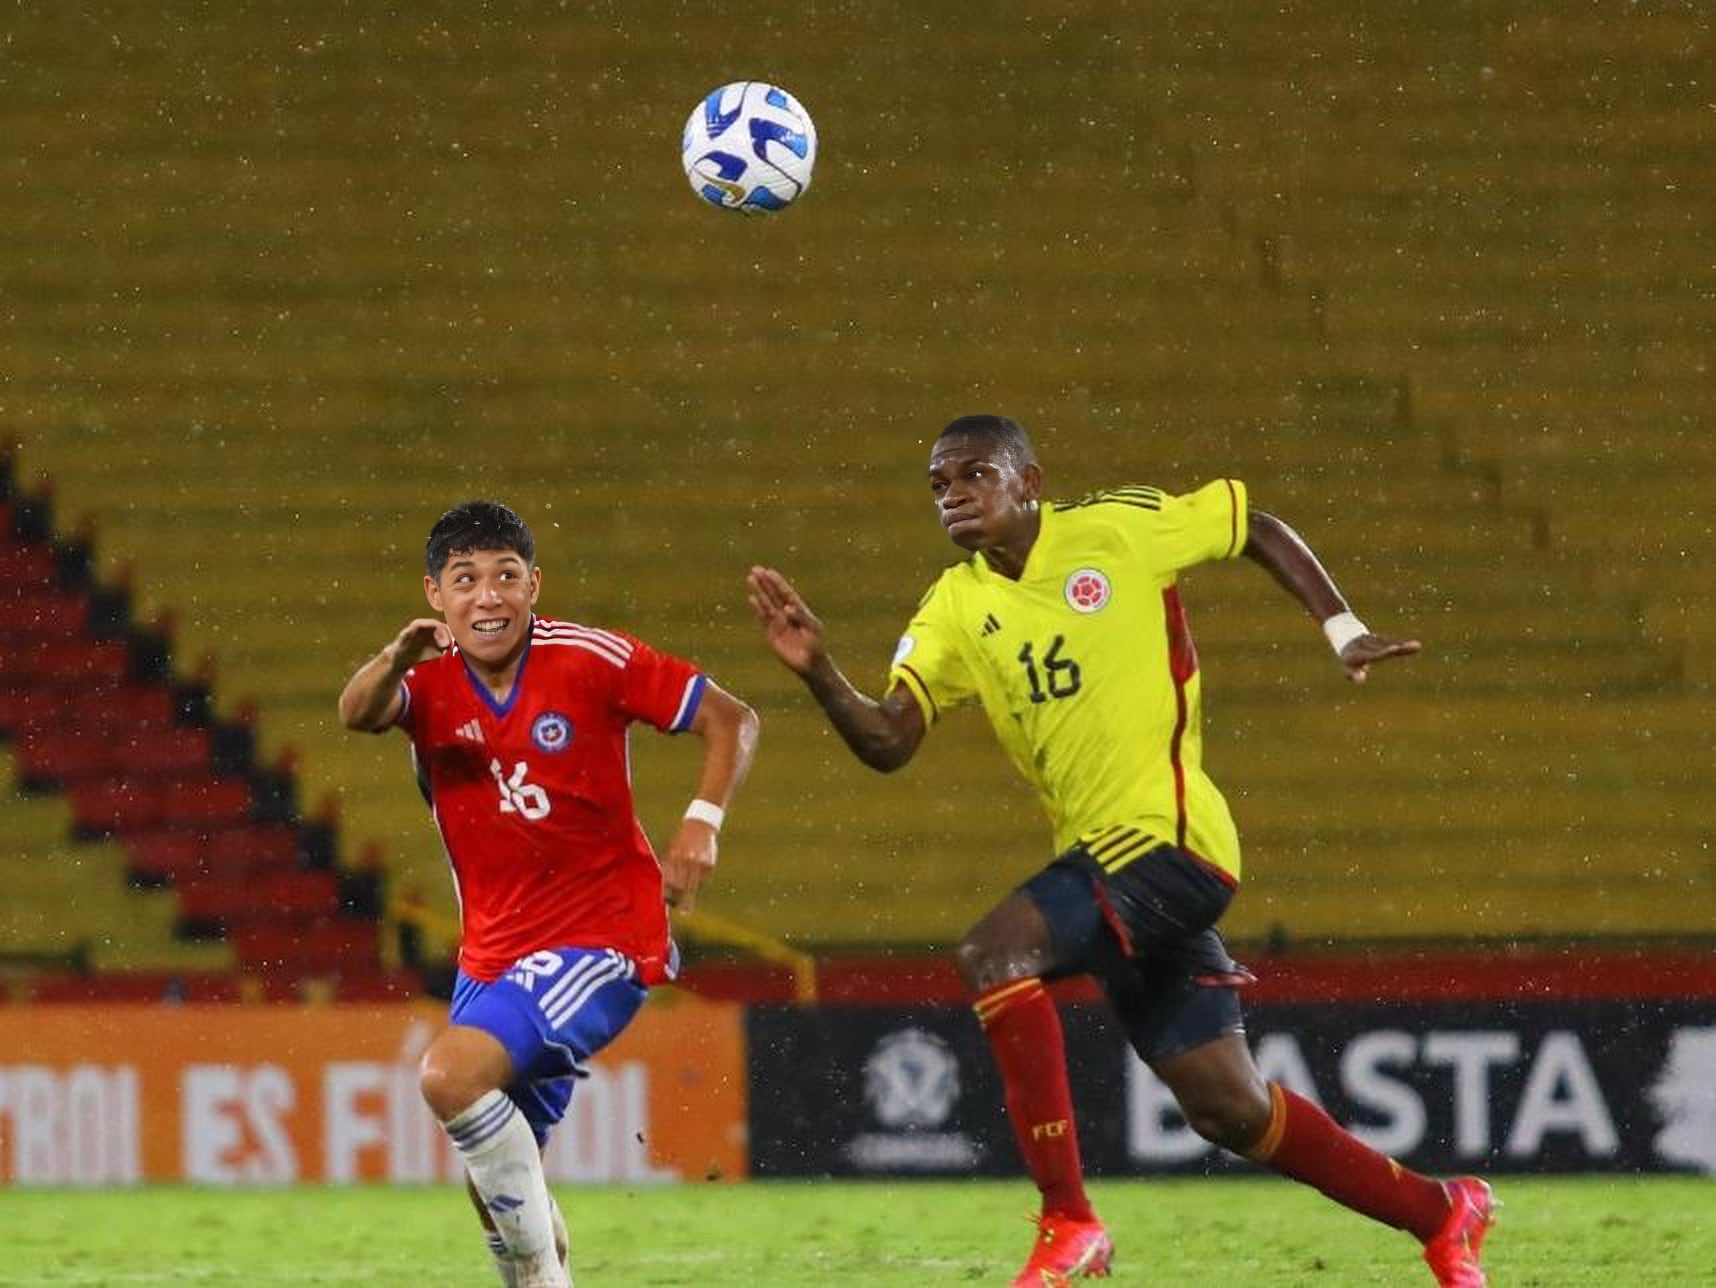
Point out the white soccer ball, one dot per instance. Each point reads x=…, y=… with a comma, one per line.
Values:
x=749, y=147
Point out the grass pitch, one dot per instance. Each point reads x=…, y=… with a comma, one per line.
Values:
x=1229, y=1232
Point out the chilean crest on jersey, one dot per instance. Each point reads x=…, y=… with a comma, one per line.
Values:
x=1087, y=590
x=551, y=732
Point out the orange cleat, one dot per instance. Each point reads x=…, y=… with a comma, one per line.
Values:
x=1066, y=1250
x=1452, y=1254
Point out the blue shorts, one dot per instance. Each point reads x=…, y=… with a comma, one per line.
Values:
x=552, y=1011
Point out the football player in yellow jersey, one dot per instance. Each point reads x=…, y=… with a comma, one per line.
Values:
x=1066, y=626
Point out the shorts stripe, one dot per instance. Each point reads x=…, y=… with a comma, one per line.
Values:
x=576, y=988
x=569, y=980
x=569, y=1007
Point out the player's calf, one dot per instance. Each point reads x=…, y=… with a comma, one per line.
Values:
x=501, y=1156
x=461, y=1077
x=507, y=1267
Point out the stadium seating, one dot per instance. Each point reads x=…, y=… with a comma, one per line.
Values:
x=67, y=907
x=158, y=796
x=1448, y=316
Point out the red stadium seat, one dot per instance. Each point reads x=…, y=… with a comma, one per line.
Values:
x=25, y=702
x=211, y=987
x=26, y=562
x=204, y=800
x=167, y=856
x=29, y=701
x=136, y=986
x=83, y=660
x=242, y=851
x=55, y=755
x=290, y=897
x=379, y=986
x=50, y=756
x=129, y=706
x=40, y=614
x=331, y=947
x=257, y=846
x=171, y=750
x=105, y=806
x=120, y=805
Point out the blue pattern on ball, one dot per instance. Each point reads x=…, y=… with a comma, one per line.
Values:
x=715, y=121
x=767, y=175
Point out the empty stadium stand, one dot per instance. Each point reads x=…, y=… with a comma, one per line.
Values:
x=1436, y=282
x=151, y=792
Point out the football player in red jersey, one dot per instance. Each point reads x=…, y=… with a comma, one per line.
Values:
x=518, y=726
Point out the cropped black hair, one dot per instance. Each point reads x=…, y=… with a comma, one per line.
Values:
x=996, y=431
x=474, y=526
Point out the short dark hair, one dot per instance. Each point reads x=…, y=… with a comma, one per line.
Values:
x=474, y=526
x=996, y=431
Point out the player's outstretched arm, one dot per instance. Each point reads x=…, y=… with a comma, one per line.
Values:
x=1282, y=551
x=884, y=735
x=729, y=731
x=370, y=701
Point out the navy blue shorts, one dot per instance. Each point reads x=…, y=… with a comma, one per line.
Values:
x=1147, y=934
x=552, y=1011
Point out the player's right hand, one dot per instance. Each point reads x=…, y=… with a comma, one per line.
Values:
x=422, y=639
x=792, y=630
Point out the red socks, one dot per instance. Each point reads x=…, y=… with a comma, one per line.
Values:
x=1024, y=1032
x=1304, y=1144
x=1301, y=1142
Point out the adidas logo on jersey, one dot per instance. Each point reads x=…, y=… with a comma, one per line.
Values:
x=471, y=731
x=991, y=624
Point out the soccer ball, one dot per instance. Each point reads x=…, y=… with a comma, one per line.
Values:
x=749, y=147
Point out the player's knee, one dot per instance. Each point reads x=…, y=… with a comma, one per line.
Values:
x=982, y=964
x=448, y=1088
x=969, y=958
x=1234, y=1122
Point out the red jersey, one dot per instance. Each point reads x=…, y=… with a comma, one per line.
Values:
x=533, y=795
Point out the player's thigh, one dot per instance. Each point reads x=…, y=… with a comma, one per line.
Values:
x=1175, y=996
x=552, y=1011
x=1051, y=925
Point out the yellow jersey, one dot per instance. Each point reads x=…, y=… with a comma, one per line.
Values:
x=1086, y=668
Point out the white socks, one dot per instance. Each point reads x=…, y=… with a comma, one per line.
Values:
x=507, y=1268
x=499, y=1151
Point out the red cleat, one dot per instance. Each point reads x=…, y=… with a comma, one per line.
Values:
x=1452, y=1254
x=1066, y=1250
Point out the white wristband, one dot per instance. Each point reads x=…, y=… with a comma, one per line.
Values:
x=1342, y=629
x=706, y=812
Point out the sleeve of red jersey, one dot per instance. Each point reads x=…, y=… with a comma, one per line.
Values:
x=403, y=719
x=659, y=688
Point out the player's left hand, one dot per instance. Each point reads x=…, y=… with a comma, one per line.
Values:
x=1361, y=652
x=687, y=863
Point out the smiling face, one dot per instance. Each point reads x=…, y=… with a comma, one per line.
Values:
x=486, y=595
x=986, y=499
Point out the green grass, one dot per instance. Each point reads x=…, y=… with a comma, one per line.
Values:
x=1621, y=1231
